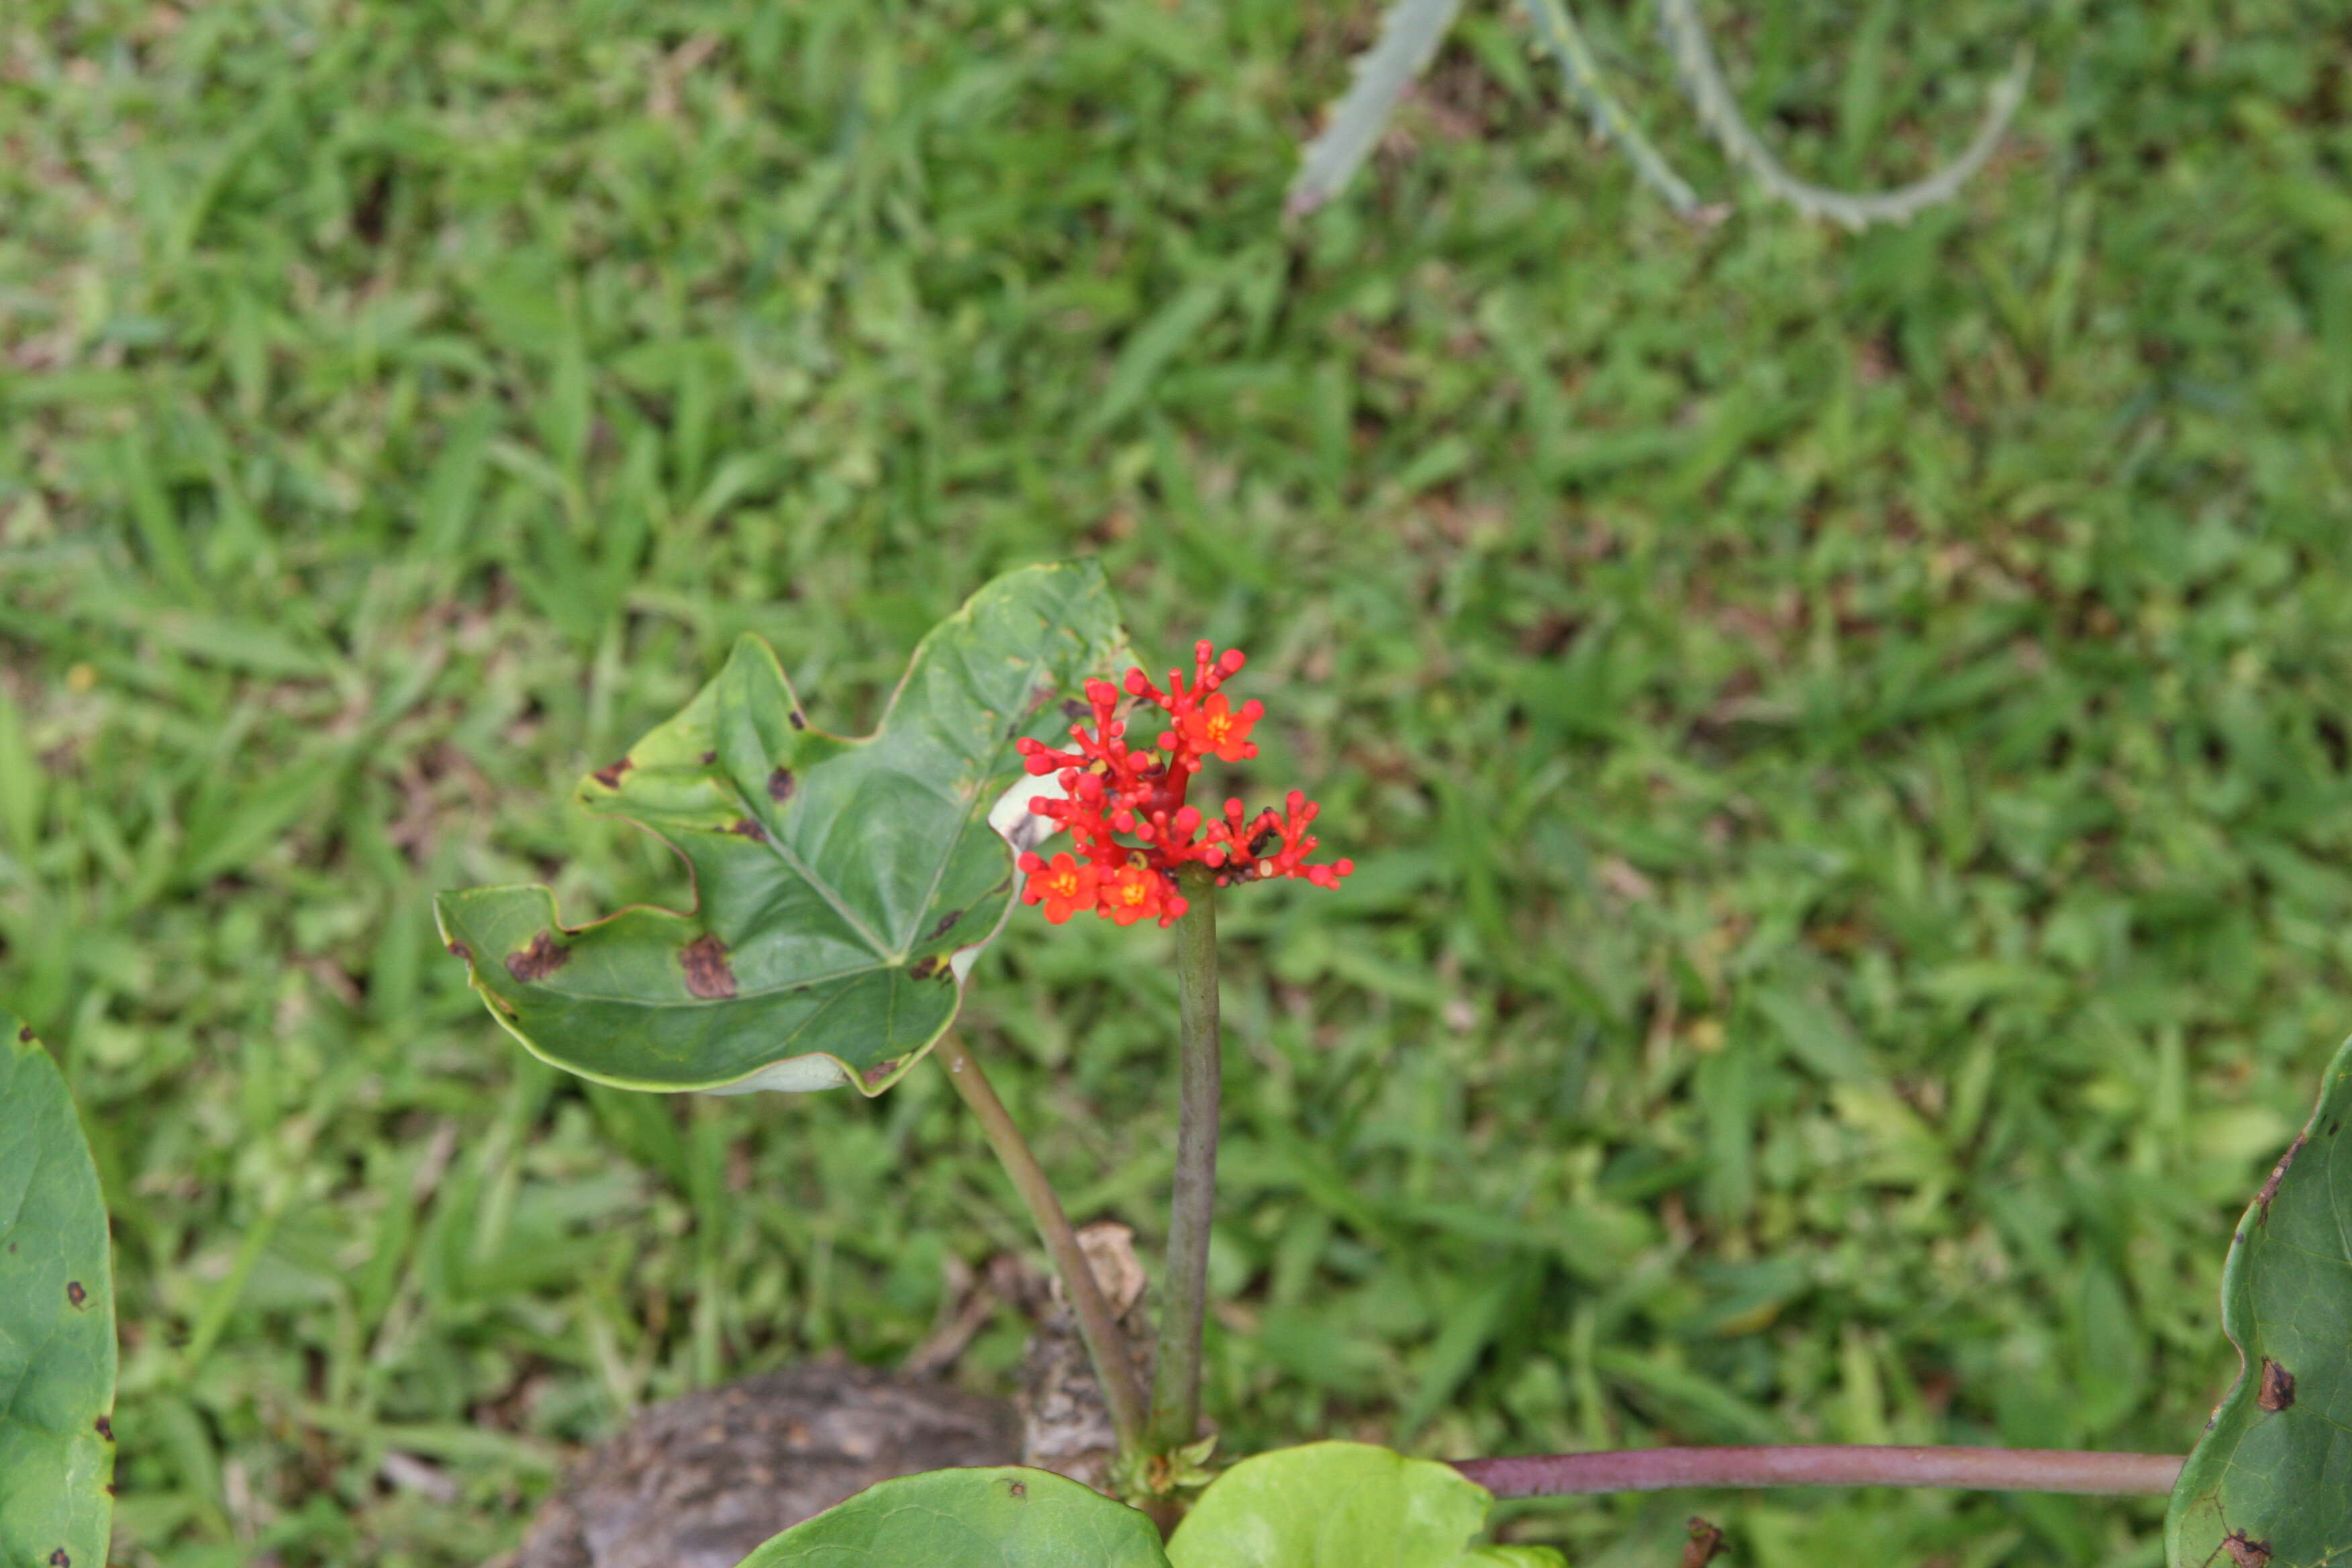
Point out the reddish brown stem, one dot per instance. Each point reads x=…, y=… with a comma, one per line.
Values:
x=1827, y=1465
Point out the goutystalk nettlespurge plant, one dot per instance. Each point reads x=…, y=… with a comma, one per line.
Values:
x=844, y=889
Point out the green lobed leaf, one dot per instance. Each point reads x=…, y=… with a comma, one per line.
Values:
x=57, y=1322
x=1343, y=1505
x=2270, y=1485
x=1002, y=1518
x=841, y=885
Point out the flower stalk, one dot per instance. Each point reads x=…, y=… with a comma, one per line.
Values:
x=1176, y=1386
x=1141, y=850
x=1097, y=1325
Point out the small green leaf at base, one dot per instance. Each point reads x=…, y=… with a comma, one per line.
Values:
x=2270, y=1486
x=1002, y=1518
x=1343, y=1505
x=57, y=1322
x=841, y=887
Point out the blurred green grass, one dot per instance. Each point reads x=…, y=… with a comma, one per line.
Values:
x=1845, y=736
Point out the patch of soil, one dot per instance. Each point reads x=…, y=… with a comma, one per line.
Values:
x=701, y=1481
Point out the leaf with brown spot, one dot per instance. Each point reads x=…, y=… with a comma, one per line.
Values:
x=2270, y=1484
x=57, y=1320
x=2244, y=1553
x=542, y=958
x=706, y=973
x=2278, y=1387
x=610, y=775
x=824, y=870
x=2278, y=1174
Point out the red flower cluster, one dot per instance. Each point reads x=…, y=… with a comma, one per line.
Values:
x=1110, y=789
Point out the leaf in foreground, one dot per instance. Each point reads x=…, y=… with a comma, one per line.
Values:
x=2270, y=1486
x=57, y=1322
x=1343, y=1505
x=1002, y=1518
x=842, y=886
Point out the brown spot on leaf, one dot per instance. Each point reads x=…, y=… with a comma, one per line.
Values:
x=931, y=968
x=2244, y=1551
x=58, y=1559
x=797, y=721
x=24, y=1034
x=779, y=785
x=75, y=1293
x=610, y=775
x=946, y=924
x=105, y=1428
x=750, y=829
x=2270, y=1186
x=706, y=973
x=879, y=1071
x=1003, y=884
x=2278, y=1392
x=462, y=951
x=540, y=960
x=709, y=758
x=1017, y=1488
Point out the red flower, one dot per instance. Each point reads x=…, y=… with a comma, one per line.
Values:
x=1214, y=727
x=1064, y=887
x=1125, y=808
x=1138, y=892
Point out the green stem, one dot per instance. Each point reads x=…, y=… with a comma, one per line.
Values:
x=1097, y=1325
x=1176, y=1389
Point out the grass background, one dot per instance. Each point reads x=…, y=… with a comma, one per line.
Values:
x=1845, y=736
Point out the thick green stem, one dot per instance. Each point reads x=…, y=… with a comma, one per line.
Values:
x=1176, y=1389
x=1097, y=1325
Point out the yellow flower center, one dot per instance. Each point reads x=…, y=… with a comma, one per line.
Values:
x=1133, y=892
x=1219, y=726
